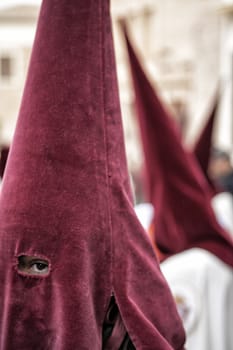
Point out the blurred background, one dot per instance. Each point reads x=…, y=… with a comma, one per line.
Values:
x=186, y=47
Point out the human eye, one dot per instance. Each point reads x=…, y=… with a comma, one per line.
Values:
x=33, y=265
x=39, y=267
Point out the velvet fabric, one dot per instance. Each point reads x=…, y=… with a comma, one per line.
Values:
x=203, y=146
x=179, y=192
x=66, y=199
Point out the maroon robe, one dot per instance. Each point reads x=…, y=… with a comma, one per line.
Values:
x=66, y=199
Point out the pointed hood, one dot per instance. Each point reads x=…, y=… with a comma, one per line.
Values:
x=69, y=235
x=183, y=214
x=203, y=146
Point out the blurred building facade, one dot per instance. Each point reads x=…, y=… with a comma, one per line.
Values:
x=186, y=47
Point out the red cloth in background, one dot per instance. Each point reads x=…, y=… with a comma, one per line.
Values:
x=179, y=192
x=203, y=146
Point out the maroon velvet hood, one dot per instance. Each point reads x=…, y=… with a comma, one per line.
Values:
x=66, y=198
x=179, y=192
x=203, y=146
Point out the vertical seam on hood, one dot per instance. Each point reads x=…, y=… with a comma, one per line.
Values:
x=106, y=141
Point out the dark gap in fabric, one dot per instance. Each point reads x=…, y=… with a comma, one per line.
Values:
x=115, y=336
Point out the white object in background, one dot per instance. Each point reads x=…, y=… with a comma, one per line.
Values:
x=202, y=286
x=145, y=213
x=222, y=204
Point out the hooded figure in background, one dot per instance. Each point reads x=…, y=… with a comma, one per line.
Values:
x=196, y=252
x=207, y=156
x=70, y=240
x=203, y=146
x=178, y=190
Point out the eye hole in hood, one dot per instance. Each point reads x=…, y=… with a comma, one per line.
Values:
x=33, y=265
